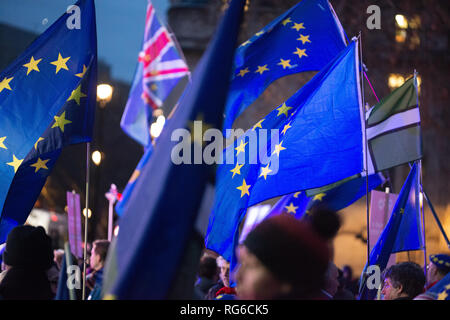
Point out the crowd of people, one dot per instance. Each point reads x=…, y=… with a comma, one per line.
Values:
x=31, y=268
x=281, y=258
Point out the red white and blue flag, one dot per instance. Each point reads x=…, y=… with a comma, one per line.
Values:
x=159, y=69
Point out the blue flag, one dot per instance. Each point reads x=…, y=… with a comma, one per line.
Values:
x=403, y=230
x=305, y=38
x=126, y=194
x=47, y=101
x=298, y=203
x=159, y=218
x=316, y=138
x=159, y=70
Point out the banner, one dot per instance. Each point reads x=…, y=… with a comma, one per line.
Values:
x=74, y=224
x=381, y=206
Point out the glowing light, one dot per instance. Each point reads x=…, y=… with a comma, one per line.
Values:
x=104, y=92
x=395, y=80
x=401, y=21
x=116, y=231
x=157, y=126
x=89, y=213
x=97, y=157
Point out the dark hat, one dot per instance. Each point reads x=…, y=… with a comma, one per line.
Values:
x=441, y=261
x=291, y=249
x=28, y=246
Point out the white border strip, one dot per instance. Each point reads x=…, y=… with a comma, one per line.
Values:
x=396, y=121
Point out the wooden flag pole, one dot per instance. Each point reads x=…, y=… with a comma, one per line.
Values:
x=86, y=217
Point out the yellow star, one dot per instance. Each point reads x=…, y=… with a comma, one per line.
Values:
x=240, y=148
x=35, y=145
x=245, y=43
x=15, y=163
x=243, y=72
x=61, y=121
x=300, y=52
x=40, y=164
x=297, y=194
x=304, y=39
x=2, y=143
x=237, y=169
x=319, y=196
x=291, y=208
x=283, y=110
x=244, y=189
x=278, y=148
x=81, y=75
x=298, y=26
x=258, y=125
x=265, y=171
x=402, y=210
x=285, y=128
x=60, y=63
x=286, y=21
x=447, y=286
x=261, y=69
x=32, y=65
x=442, y=296
x=77, y=95
x=285, y=63
x=154, y=87
x=5, y=84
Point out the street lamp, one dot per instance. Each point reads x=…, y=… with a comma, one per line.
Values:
x=104, y=93
x=89, y=213
x=96, y=157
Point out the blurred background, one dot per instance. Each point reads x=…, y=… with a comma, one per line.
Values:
x=413, y=35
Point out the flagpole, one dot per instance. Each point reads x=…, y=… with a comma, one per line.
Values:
x=366, y=169
x=416, y=85
x=86, y=217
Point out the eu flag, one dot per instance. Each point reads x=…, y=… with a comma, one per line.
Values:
x=159, y=218
x=403, y=230
x=305, y=38
x=315, y=138
x=47, y=101
x=299, y=203
x=159, y=70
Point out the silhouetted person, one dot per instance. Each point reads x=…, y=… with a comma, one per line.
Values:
x=27, y=257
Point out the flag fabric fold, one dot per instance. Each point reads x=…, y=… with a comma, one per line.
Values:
x=313, y=139
x=47, y=101
x=338, y=198
x=159, y=218
x=159, y=69
x=402, y=232
x=394, y=124
x=304, y=38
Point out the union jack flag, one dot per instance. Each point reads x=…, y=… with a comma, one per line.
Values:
x=159, y=70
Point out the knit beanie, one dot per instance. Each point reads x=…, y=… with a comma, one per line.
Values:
x=291, y=250
x=28, y=246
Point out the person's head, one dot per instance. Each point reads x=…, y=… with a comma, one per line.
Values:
x=207, y=268
x=332, y=279
x=224, y=270
x=28, y=247
x=438, y=267
x=98, y=254
x=403, y=280
x=281, y=258
x=326, y=223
